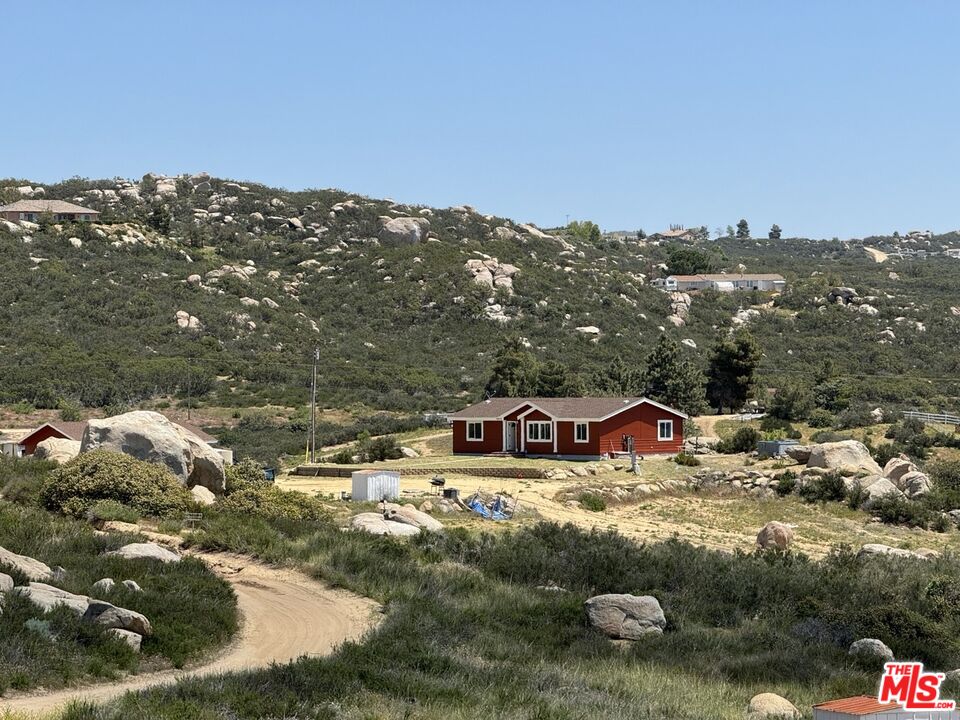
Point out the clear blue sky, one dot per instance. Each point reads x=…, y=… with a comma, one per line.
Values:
x=829, y=118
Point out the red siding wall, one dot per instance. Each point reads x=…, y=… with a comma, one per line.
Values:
x=30, y=442
x=641, y=422
x=492, y=438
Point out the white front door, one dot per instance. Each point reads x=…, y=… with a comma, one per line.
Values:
x=510, y=436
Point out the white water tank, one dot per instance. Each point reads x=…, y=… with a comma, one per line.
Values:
x=375, y=485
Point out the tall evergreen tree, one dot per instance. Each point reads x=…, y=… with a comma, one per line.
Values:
x=743, y=230
x=514, y=372
x=733, y=363
x=555, y=380
x=672, y=379
x=617, y=378
x=775, y=232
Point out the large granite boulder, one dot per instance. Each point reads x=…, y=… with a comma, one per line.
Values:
x=375, y=524
x=877, y=549
x=404, y=231
x=27, y=566
x=59, y=450
x=111, y=616
x=879, y=488
x=770, y=706
x=150, y=436
x=626, y=617
x=775, y=535
x=800, y=453
x=871, y=649
x=897, y=467
x=409, y=515
x=47, y=597
x=914, y=484
x=849, y=455
x=146, y=551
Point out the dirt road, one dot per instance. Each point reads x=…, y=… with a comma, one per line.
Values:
x=285, y=615
x=877, y=255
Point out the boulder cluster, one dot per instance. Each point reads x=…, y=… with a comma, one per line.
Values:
x=126, y=625
x=395, y=519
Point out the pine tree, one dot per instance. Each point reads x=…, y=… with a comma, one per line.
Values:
x=672, y=379
x=617, y=378
x=555, y=380
x=775, y=232
x=730, y=377
x=743, y=230
x=514, y=372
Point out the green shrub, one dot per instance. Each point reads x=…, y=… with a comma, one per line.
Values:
x=268, y=501
x=895, y=510
x=824, y=488
x=820, y=418
x=786, y=483
x=23, y=478
x=826, y=436
x=856, y=496
x=592, y=502
x=246, y=473
x=69, y=412
x=743, y=440
x=147, y=488
x=686, y=459
x=945, y=474
x=341, y=457
x=104, y=510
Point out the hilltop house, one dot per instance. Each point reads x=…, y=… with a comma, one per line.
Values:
x=74, y=431
x=676, y=233
x=60, y=210
x=724, y=282
x=569, y=428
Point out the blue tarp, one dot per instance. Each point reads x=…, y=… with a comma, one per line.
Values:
x=493, y=513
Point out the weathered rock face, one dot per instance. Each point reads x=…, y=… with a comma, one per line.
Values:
x=800, y=453
x=875, y=549
x=375, y=524
x=491, y=273
x=146, y=551
x=30, y=568
x=6, y=583
x=897, y=467
x=111, y=616
x=47, y=597
x=134, y=640
x=626, y=617
x=202, y=495
x=404, y=231
x=880, y=488
x=104, y=586
x=59, y=450
x=871, y=649
x=770, y=706
x=848, y=455
x=409, y=515
x=775, y=534
x=152, y=437
x=914, y=484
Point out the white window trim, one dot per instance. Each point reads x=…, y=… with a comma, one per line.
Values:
x=467, y=431
x=587, y=438
x=539, y=423
x=660, y=437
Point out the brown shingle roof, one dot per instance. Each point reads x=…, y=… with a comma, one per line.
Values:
x=47, y=206
x=569, y=408
x=74, y=430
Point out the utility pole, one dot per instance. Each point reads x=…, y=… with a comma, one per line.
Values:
x=313, y=407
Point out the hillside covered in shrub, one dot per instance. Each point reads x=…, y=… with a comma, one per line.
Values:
x=218, y=292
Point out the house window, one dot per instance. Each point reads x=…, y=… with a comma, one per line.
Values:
x=581, y=432
x=539, y=431
x=475, y=431
x=665, y=430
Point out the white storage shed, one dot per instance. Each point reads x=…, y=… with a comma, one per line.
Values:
x=375, y=485
x=864, y=707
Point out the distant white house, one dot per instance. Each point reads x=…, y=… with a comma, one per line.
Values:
x=724, y=282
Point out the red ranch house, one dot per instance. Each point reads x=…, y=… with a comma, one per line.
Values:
x=571, y=428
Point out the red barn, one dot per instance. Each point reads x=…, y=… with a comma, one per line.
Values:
x=570, y=428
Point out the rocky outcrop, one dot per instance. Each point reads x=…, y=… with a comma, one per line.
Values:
x=871, y=649
x=146, y=551
x=26, y=566
x=879, y=488
x=775, y=535
x=800, y=453
x=409, y=515
x=770, y=706
x=845, y=455
x=404, y=231
x=152, y=437
x=376, y=524
x=111, y=616
x=491, y=273
x=60, y=450
x=877, y=549
x=47, y=597
x=680, y=303
x=626, y=617
x=134, y=640
x=897, y=467
x=202, y=495
x=914, y=484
